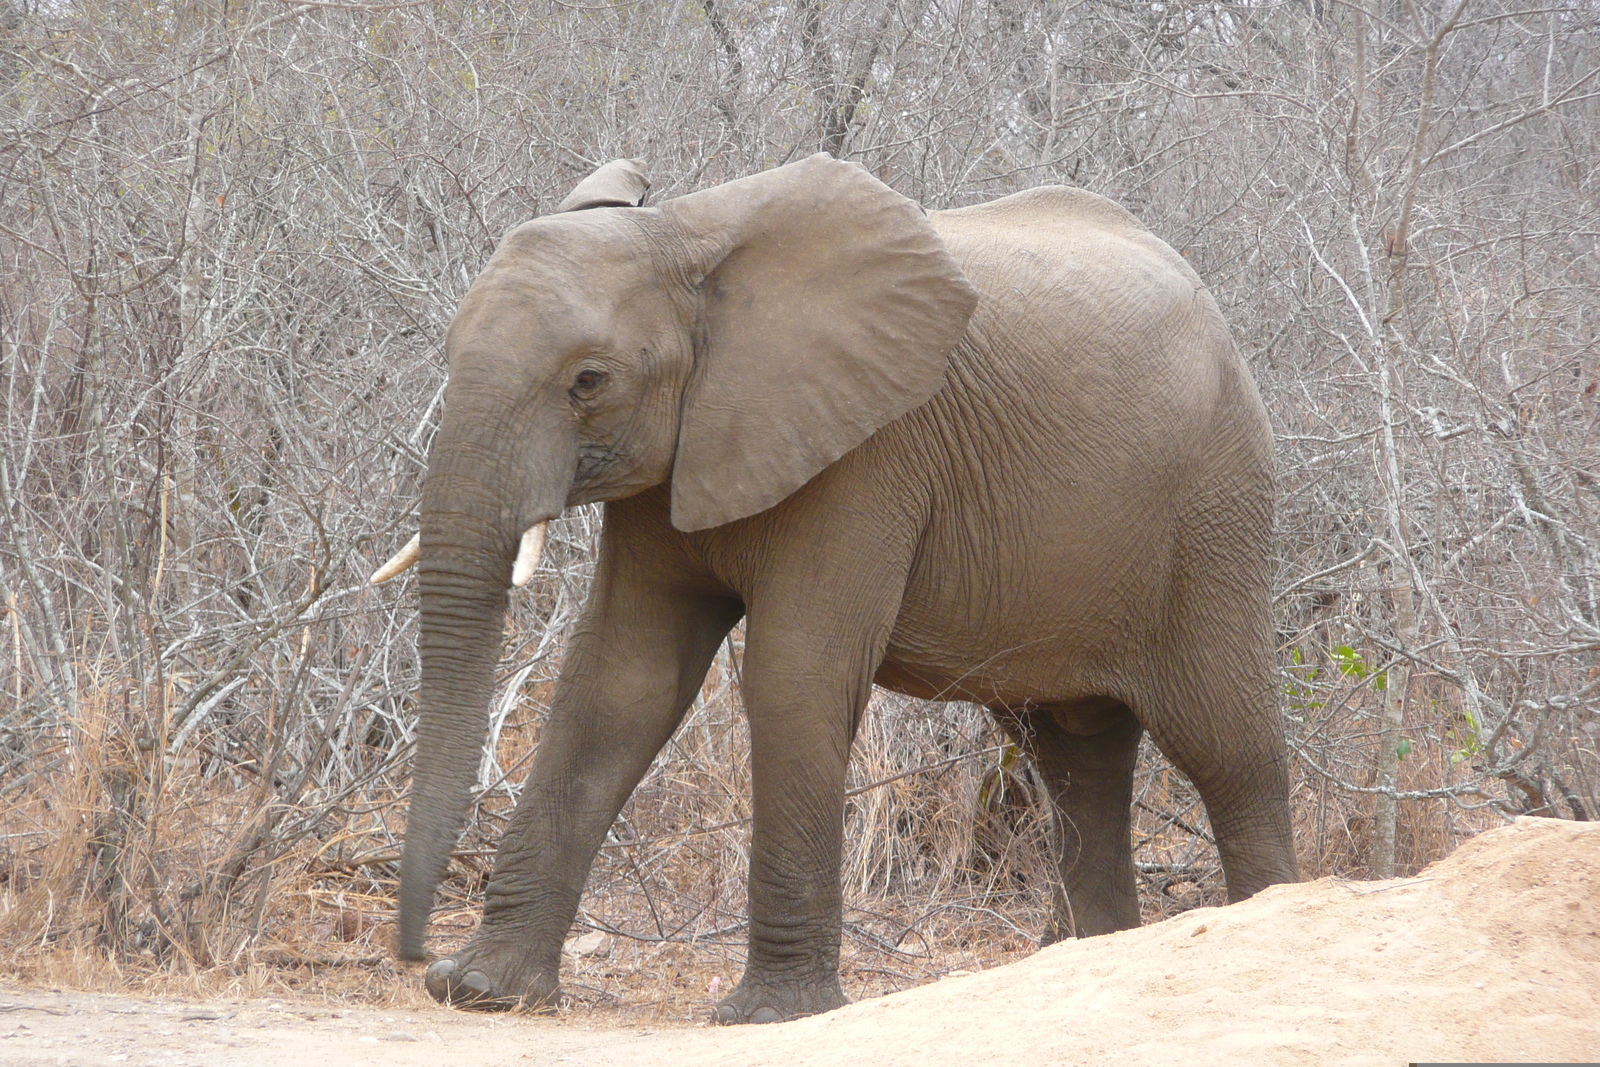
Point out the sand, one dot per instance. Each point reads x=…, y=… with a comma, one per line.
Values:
x=1492, y=954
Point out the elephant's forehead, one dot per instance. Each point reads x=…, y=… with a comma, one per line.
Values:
x=517, y=309
x=556, y=270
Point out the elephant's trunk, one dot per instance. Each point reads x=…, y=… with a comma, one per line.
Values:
x=475, y=507
x=463, y=609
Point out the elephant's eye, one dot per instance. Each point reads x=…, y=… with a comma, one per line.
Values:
x=587, y=382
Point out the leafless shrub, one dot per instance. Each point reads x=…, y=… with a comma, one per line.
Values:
x=230, y=237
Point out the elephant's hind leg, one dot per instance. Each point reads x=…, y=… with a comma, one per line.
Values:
x=1215, y=716
x=1209, y=690
x=1085, y=753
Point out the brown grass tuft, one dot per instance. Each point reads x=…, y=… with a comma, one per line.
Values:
x=127, y=870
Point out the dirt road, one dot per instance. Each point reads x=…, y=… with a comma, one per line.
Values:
x=1492, y=954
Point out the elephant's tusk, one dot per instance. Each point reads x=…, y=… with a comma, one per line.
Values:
x=400, y=561
x=528, y=554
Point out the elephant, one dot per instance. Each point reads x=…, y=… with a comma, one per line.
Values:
x=1006, y=454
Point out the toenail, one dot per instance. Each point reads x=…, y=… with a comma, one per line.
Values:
x=766, y=1015
x=442, y=969
x=477, y=981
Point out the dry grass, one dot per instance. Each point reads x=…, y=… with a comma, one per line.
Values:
x=126, y=872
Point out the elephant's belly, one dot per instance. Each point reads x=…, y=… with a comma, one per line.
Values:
x=1045, y=630
x=1051, y=672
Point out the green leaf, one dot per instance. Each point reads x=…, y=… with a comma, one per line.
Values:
x=1349, y=662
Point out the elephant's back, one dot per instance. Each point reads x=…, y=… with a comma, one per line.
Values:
x=1060, y=208
x=1066, y=225
x=1088, y=322
x=1081, y=262
x=1094, y=335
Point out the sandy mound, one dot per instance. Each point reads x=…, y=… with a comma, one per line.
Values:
x=1492, y=954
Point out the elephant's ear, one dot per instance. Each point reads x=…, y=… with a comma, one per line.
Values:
x=620, y=183
x=829, y=307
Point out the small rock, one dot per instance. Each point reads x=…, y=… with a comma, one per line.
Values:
x=593, y=943
x=399, y=1035
x=432, y=1035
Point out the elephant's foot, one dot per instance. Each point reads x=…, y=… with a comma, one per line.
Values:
x=775, y=1002
x=489, y=977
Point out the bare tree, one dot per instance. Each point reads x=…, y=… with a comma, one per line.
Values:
x=230, y=238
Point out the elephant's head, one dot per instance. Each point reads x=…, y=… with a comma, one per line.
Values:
x=734, y=341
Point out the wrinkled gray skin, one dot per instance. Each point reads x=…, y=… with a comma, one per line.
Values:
x=1006, y=454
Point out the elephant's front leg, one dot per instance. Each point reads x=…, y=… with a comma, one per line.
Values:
x=806, y=683
x=633, y=666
